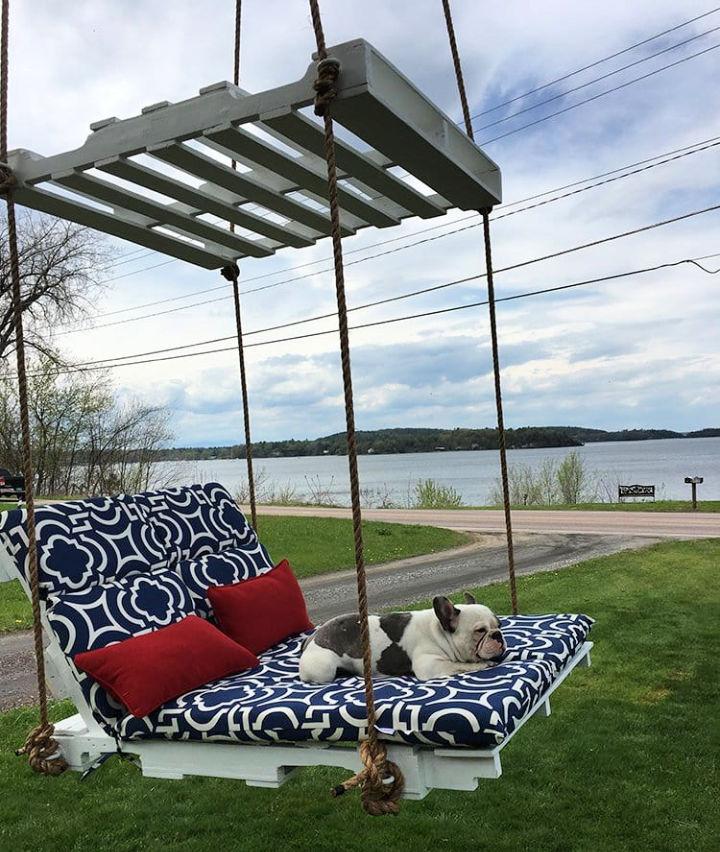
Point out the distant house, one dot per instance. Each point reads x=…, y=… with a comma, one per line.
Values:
x=440, y=449
x=371, y=451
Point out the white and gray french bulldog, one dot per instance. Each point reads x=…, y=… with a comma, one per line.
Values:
x=430, y=643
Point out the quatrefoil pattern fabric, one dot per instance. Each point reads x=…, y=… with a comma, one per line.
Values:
x=111, y=612
x=196, y=520
x=85, y=542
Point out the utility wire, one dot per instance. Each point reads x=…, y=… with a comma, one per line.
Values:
x=118, y=261
x=91, y=366
x=676, y=156
x=599, y=95
x=595, y=63
x=332, y=315
x=683, y=151
x=597, y=79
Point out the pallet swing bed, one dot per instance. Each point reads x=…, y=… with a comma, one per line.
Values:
x=95, y=570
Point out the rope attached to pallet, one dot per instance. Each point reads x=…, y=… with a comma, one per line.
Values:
x=41, y=749
x=232, y=273
x=381, y=780
x=485, y=213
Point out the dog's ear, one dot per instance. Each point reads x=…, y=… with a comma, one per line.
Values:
x=447, y=613
x=468, y=598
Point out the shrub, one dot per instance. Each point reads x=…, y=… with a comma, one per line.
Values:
x=552, y=483
x=429, y=494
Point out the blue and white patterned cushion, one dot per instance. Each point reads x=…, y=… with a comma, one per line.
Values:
x=197, y=519
x=85, y=542
x=544, y=637
x=271, y=704
x=222, y=569
x=112, y=612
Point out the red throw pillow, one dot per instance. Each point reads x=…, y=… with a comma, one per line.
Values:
x=146, y=671
x=261, y=612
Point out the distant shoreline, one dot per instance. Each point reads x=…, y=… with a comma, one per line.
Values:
x=407, y=441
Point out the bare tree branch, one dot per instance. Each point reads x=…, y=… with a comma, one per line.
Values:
x=60, y=271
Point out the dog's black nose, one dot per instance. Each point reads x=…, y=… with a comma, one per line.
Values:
x=496, y=635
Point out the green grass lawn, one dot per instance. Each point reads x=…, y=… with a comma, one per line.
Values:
x=627, y=761
x=313, y=546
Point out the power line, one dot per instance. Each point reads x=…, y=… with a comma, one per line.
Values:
x=596, y=63
x=144, y=253
x=331, y=315
x=686, y=148
x=677, y=154
x=597, y=79
x=600, y=95
x=376, y=323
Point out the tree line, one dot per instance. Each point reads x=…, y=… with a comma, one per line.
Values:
x=408, y=440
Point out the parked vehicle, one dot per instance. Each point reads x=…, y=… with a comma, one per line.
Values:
x=11, y=487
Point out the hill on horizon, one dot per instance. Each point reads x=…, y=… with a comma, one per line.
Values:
x=424, y=440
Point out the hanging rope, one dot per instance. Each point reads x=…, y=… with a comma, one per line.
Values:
x=40, y=747
x=485, y=213
x=381, y=781
x=231, y=272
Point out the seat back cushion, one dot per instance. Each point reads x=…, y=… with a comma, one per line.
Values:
x=194, y=520
x=233, y=565
x=104, y=614
x=85, y=542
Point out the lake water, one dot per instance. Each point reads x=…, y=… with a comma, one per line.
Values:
x=664, y=464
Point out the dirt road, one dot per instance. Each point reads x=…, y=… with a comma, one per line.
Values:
x=654, y=524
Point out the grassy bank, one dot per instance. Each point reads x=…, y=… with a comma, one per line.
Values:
x=313, y=546
x=626, y=761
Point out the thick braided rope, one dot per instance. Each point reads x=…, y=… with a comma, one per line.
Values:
x=458, y=67
x=41, y=749
x=381, y=781
x=231, y=273
x=493, y=320
x=378, y=797
x=499, y=408
x=236, y=66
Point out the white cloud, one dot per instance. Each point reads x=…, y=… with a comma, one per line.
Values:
x=638, y=351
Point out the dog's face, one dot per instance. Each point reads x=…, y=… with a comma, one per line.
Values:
x=473, y=629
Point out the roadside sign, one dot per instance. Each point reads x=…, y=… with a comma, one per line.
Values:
x=635, y=491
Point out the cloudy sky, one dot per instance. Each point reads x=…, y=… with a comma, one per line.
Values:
x=641, y=351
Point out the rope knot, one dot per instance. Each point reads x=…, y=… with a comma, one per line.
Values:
x=381, y=781
x=231, y=272
x=43, y=751
x=328, y=71
x=8, y=181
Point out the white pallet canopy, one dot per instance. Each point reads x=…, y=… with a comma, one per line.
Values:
x=278, y=196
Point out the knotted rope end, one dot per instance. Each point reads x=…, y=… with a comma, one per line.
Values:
x=43, y=752
x=328, y=71
x=381, y=781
